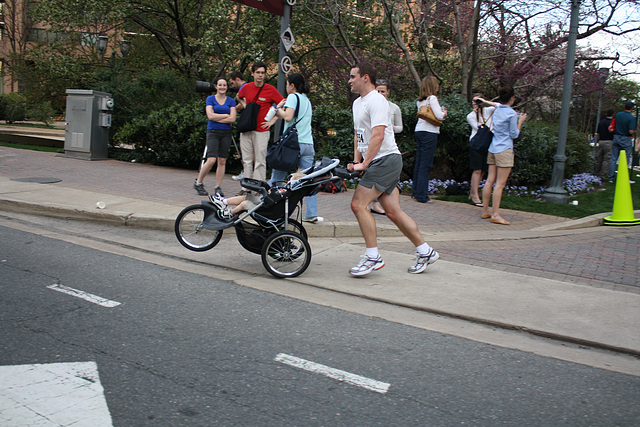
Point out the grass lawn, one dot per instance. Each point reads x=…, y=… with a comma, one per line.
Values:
x=29, y=125
x=598, y=201
x=31, y=147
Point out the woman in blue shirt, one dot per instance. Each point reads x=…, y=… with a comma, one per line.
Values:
x=506, y=128
x=221, y=111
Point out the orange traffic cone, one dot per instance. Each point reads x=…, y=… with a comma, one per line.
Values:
x=622, y=204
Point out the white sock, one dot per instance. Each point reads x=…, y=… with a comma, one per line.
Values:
x=372, y=252
x=423, y=249
x=225, y=201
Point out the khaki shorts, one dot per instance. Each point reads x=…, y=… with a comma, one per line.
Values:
x=504, y=159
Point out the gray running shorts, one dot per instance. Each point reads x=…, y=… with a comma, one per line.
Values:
x=384, y=173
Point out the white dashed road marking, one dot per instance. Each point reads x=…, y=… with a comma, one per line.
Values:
x=85, y=296
x=337, y=374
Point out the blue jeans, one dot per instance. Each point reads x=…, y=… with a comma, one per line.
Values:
x=426, y=143
x=619, y=143
x=307, y=155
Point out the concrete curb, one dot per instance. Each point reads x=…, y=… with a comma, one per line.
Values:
x=338, y=229
x=162, y=222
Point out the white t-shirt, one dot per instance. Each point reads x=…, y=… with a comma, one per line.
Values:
x=368, y=112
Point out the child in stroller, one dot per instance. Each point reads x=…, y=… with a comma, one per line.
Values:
x=245, y=202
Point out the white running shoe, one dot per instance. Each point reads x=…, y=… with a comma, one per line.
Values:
x=238, y=177
x=367, y=265
x=223, y=210
x=313, y=220
x=225, y=214
x=217, y=201
x=422, y=261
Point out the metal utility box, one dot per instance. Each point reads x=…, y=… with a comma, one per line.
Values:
x=88, y=121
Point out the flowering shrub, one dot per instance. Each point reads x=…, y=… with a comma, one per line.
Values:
x=579, y=183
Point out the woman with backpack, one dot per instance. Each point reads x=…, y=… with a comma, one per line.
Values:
x=481, y=115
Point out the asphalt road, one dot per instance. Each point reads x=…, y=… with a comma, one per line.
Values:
x=186, y=349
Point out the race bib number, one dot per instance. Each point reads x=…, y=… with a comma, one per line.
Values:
x=363, y=145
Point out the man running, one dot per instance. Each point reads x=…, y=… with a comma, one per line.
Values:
x=376, y=153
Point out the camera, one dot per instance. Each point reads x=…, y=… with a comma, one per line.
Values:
x=478, y=102
x=207, y=87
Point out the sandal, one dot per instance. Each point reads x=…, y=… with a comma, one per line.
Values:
x=500, y=221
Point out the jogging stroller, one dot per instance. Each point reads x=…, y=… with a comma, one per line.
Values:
x=268, y=228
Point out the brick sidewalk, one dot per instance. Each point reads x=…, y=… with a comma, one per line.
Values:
x=607, y=256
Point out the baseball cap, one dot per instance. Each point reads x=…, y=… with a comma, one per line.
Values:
x=628, y=105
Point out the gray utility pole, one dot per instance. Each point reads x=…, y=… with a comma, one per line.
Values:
x=282, y=78
x=556, y=193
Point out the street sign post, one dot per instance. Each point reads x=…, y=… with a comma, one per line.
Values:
x=285, y=64
x=287, y=39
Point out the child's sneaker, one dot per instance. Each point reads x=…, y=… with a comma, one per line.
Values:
x=422, y=261
x=223, y=211
x=367, y=265
x=217, y=201
x=200, y=189
x=225, y=214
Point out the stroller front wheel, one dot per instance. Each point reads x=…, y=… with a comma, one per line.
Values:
x=190, y=231
x=286, y=254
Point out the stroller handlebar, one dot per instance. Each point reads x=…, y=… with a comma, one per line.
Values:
x=314, y=173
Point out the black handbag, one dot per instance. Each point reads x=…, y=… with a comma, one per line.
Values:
x=248, y=120
x=482, y=139
x=284, y=154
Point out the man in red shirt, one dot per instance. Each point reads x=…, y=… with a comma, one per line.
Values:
x=253, y=144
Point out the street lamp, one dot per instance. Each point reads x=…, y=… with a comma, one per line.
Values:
x=103, y=41
x=102, y=45
x=556, y=193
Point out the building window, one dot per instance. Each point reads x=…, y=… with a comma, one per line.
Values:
x=39, y=35
x=88, y=39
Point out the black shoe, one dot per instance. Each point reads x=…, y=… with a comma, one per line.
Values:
x=218, y=191
x=200, y=189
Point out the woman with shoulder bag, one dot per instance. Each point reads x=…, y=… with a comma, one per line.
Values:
x=296, y=85
x=426, y=139
x=481, y=115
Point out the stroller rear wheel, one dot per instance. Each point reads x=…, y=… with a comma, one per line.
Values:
x=286, y=254
x=190, y=231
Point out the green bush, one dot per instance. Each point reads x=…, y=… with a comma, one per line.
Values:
x=535, y=149
x=147, y=92
x=333, y=132
x=174, y=136
x=41, y=111
x=13, y=106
